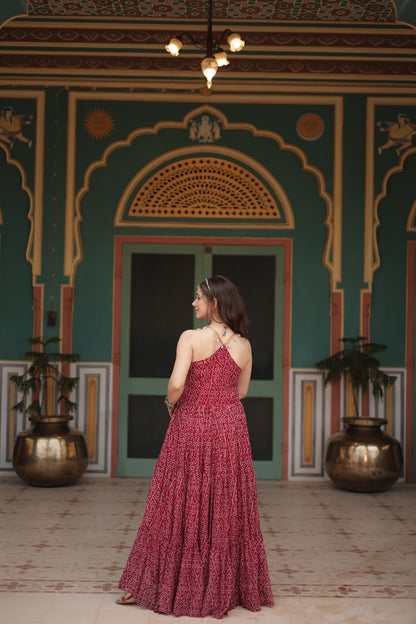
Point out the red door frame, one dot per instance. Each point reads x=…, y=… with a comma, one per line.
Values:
x=119, y=241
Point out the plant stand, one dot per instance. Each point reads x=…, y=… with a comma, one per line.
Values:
x=50, y=453
x=362, y=458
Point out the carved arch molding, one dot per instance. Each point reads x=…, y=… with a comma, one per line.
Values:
x=201, y=190
x=203, y=185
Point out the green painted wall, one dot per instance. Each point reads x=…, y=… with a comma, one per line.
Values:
x=311, y=287
x=16, y=319
x=310, y=305
x=95, y=274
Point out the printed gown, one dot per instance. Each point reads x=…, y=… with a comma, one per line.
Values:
x=199, y=550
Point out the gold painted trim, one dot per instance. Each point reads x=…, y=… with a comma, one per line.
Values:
x=411, y=225
x=308, y=424
x=371, y=219
x=12, y=416
x=389, y=409
x=50, y=395
x=12, y=17
x=350, y=398
x=332, y=256
x=92, y=416
x=238, y=89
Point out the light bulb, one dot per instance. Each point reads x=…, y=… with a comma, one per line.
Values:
x=235, y=42
x=221, y=58
x=209, y=68
x=174, y=46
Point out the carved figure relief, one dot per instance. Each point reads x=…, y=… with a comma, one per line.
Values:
x=205, y=129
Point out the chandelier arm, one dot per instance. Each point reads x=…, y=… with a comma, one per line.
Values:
x=192, y=40
x=223, y=37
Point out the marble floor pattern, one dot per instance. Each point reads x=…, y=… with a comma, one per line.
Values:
x=335, y=557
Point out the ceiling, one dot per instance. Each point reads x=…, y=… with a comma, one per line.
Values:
x=364, y=11
x=114, y=41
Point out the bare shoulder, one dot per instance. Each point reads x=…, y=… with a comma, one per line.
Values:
x=185, y=338
x=190, y=336
x=243, y=343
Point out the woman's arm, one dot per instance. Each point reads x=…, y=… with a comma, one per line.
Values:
x=180, y=369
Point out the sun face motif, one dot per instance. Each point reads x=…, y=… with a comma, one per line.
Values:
x=99, y=123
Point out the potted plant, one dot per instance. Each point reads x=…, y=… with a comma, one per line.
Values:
x=49, y=453
x=362, y=457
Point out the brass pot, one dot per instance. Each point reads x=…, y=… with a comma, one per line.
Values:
x=362, y=458
x=50, y=453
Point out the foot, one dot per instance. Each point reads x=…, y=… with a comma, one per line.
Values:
x=126, y=599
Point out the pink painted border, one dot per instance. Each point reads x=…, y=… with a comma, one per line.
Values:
x=119, y=241
x=37, y=311
x=67, y=301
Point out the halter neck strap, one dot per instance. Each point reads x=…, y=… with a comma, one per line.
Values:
x=219, y=337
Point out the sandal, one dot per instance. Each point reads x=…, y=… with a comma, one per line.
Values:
x=126, y=600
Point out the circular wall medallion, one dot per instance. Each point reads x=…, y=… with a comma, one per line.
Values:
x=310, y=127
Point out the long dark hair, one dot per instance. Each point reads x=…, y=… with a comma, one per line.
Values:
x=230, y=305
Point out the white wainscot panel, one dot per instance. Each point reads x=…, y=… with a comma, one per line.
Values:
x=309, y=410
x=393, y=405
x=11, y=423
x=93, y=416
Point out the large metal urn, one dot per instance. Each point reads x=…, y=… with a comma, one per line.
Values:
x=362, y=457
x=50, y=453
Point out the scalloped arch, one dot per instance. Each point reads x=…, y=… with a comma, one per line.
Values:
x=375, y=263
x=15, y=163
x=331, y=262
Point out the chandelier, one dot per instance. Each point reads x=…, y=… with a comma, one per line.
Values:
x=215, y=56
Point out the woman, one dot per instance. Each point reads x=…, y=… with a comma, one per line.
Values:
x=199, y=550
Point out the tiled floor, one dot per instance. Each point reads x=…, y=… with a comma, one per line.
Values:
x=335, y=557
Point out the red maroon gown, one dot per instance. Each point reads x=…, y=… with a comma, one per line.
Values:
x=199, y=550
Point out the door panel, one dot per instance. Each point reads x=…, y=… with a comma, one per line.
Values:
x=158, y=286
x=259, y=413
x=146, y=434
x=161, y=285
x=255, y=278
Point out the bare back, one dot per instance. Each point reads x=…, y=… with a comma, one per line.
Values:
x=195, y=345
x=206, y=341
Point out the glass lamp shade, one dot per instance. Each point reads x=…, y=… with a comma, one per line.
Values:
x=209, y=68
x=174, y=46
x=235, y=42
x=221, y=58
